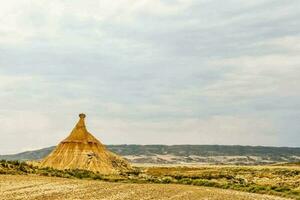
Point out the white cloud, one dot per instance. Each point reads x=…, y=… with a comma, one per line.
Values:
x=255, y=76
x=213, y=130
x=23, y=21
x=147, y=69
x=13, y=81
x=23, y=130
x=288, y=43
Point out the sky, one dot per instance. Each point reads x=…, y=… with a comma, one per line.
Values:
x=150, y=71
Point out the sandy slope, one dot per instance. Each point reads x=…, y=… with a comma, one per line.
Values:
x=48, y=188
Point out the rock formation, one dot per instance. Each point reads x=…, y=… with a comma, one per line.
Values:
x=81, y=150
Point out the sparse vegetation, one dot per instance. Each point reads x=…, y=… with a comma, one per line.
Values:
x=275, y=180
x=281, y=181
x=33, y=187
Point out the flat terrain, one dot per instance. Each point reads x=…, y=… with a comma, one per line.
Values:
x=48, y=188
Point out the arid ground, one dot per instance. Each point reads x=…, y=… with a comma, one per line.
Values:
x=52, y=188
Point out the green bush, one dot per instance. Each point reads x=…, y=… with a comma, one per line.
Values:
x=167, y=180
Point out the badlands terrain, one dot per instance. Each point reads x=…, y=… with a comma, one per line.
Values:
x=187, y=154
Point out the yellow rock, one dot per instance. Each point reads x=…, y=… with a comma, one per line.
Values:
x=81, y=150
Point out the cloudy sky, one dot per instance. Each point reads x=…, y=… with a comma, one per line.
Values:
x=150, y=71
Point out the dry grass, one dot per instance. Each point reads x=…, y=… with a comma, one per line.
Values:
x=282, y=181
x=276, y=180
x=29, y=187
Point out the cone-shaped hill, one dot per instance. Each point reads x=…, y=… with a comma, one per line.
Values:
x=81, y=150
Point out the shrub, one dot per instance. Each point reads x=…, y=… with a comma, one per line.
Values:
x=167, y=180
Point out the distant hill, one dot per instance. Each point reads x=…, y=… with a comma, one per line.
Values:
x=28, y=155
x=187, y=154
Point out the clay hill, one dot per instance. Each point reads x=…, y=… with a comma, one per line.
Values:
x=81, y=150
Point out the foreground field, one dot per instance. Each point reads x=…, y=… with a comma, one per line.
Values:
x=29, y=187
x=280, y=180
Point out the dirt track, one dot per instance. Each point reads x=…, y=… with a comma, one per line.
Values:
x=48, y=188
